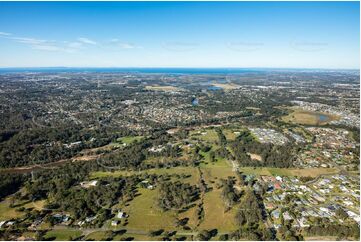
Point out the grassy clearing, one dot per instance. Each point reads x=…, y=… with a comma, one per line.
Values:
x=214, y=208
x=7, y=212
x=62, y=234
x=28, y=234
x=313, y=172
x=97, y=236
x=211, y=173
x=264, y=171
x=144, y=214
x=163, y=88
x=208, y=135
x=129, y=139
x=171, y=171
x=136, y=237
x=214, y=215
x=226, y=86
x=321, y=238
x=219, y=163
x=230, y=135
x=301, y=116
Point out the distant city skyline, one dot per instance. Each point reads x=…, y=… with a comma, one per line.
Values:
x=180, y=34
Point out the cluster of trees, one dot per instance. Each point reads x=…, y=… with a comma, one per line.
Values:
x=256, y=233
x=205, y=235
x=46, y=144
x=62, y=189
x=52, y=181
x=10, y=183
x=177, y=195
x=250, y=217
x=222, y=140
x=134, y=155
x=250, y=212
x=272, y=155
x=342, y=231
x=287, y=232
x=229, y=195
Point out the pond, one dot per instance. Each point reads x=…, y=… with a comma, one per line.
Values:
x=322, y=117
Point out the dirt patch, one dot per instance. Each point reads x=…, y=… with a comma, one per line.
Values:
x=255, y=156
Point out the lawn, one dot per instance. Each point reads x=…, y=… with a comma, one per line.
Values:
x=136, y=237
x=208, y=135
x=144, y=214
x=129, y=139
x=62, y=234
x=212, y=172
x=7, y=213
x=214, y=215
x=171, y=171
x=230, y=135
x=97, y=236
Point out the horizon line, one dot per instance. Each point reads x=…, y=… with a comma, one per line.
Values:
x=174, y=67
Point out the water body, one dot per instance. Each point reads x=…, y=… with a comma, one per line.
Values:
x=322, y=117
x=159, y=70
x=195, y=102
x=214, y=88
x=134, y=70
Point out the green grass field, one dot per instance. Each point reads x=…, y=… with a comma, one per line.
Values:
x=209, y=135
x=62, y=234
x=192, y=171
x=144, y=214
x=301, y=116
x=214, y=215
x=129, y=139
x=7, y=212
x=264, y=171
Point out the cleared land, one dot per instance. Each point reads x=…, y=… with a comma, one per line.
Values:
x=8, y=212
x=144, y=214
x=62, y=235
x=226, y=86
x=301, y=116
x=163, y=88
x=312, y=172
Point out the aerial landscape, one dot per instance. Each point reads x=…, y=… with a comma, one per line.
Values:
x=176, y=152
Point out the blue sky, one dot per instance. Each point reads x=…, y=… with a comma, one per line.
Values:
x=180, y=34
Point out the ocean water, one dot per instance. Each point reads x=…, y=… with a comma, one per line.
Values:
x=163, y=70
x=132, y=70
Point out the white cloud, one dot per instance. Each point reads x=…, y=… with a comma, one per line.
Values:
x=67, y=46
x=4, y=34
x=127, y=46
x=75, y=45
x=30, y=41
x=87, y=41
x=123, y=45
x=46, y=47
